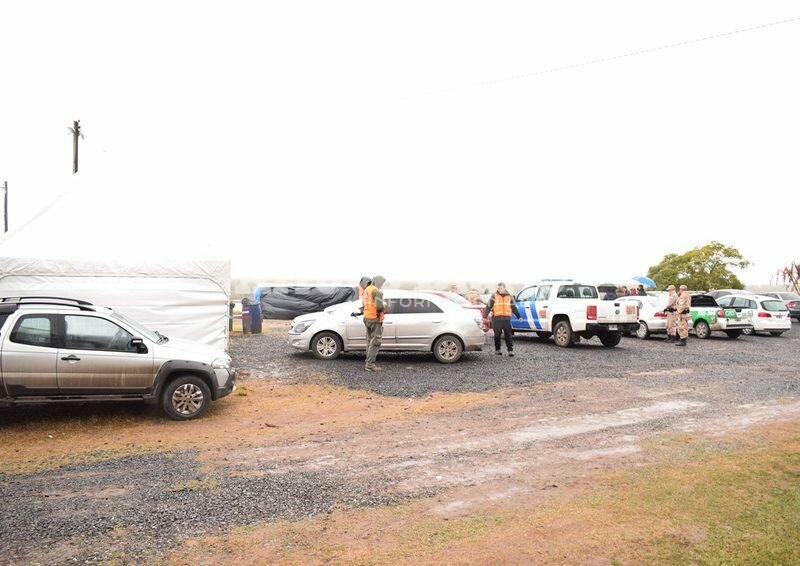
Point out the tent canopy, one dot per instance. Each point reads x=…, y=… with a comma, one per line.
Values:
x=166, y=279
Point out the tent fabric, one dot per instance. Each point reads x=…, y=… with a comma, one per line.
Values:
x=141, y=259
x=288, y=301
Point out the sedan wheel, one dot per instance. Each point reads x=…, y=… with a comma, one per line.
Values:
x=447, y=349
x=326, y=346
x=702, y=330
x=643, y=332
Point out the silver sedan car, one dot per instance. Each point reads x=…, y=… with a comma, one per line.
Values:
x=415, y=322
x=652, y=319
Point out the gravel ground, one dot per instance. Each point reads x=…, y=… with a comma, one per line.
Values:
x=751, y=367
x=157, y=498
x=139, y=507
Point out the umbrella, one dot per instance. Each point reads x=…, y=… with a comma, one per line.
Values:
x=645, y=281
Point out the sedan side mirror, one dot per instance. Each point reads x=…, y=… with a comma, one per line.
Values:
x=138, y=345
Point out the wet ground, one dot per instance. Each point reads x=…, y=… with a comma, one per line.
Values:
x=301, y=438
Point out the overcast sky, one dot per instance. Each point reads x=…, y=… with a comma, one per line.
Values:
x=417, y=139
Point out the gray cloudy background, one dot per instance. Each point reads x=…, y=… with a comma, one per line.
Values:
x=429, y=124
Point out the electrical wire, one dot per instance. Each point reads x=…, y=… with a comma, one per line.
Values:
x=572, y=66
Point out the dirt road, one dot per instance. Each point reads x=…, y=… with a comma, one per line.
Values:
x=302, y=445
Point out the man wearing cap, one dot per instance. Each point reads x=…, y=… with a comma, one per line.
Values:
x=683, y=306
x=672, y=313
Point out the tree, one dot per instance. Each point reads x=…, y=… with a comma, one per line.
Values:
x=704, y=268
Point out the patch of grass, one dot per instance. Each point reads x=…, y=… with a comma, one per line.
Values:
x=205, y=484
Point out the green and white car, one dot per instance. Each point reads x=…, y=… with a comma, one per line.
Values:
x=708, y=317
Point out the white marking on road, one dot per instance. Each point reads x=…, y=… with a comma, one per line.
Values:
x=593, y=423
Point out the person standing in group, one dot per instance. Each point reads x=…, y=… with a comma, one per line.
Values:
x=362, y=287
x=672, y=313
x=683, y=306
x=501, y=306
x=374, y=311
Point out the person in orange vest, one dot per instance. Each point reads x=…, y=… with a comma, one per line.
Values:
x=362, y=287
x=501, y=306
x=374, y=310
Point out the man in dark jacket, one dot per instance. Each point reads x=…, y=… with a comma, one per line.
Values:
x=501, y=306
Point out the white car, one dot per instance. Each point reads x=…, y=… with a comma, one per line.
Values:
x=652, y=318
x=415, y=322
x=769, y=314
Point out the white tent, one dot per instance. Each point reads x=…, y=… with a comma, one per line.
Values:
x=166, y=279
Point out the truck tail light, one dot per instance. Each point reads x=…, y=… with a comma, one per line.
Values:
x=632, y=309
x=591, y=312
x=763, y=314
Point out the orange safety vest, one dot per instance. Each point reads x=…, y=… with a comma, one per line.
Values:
x=502, y=305
x=370, y=308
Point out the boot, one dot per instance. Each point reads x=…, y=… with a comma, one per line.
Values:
x=510, y=354
x=498, y=353
x=670, y=338
x=681, y=342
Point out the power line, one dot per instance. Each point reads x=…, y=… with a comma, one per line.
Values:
x=572, y=66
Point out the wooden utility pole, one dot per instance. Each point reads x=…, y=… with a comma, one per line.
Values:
x=76, y=132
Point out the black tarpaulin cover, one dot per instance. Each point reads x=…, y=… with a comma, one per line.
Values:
x=287, y=302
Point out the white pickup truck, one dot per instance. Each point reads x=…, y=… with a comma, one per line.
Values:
x=568, y=311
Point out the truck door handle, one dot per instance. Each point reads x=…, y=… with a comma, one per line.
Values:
x=71, y=358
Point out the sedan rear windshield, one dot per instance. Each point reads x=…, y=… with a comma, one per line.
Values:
x=774, y=306
x=789, y=296
x=577, y=292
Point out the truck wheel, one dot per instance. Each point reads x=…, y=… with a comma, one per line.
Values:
x=643, y=332
x=326, y=346
x=748, y=332
x=733, y=334
x=702, y=330
x=775, y=332
x=562, y=334
x=185, y=398
x=611, y=339
x=447, y=349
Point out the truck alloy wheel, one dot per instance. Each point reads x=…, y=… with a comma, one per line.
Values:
x=562, y=334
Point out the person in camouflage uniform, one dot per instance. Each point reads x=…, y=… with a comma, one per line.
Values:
x=683, y=305
x=672, y=313
x=374, y=310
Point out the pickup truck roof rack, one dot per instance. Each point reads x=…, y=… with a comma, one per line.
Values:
x=54, y=301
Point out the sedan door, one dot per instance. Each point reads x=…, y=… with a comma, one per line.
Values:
x=97, y=358
x=419, y=321
x=356, y=331
x=30, y=351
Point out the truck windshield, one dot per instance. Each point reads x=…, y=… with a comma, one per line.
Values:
x=577, y=292
x=146, y=332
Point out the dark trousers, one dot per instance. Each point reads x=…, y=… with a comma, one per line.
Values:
x=502, y=324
